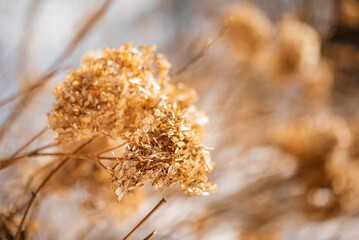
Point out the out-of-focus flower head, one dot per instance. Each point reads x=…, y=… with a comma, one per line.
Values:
x=349, y=12
x=298, y=47
x=250, y=32
x=323, y=147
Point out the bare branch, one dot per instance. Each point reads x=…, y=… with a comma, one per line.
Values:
x=26, y=38
x=50, y=145
x=8, y=162
x=149, y=237
x=159, y=204
x=42, y=185
x=29, y=92
x=68, y=50
x=111, y=149
x=29, y=142
x=201, y=53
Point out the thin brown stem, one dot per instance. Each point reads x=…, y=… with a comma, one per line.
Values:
x=27, y=187
x=26, y=40
x=14, y=158
x=149, y=237
x=8, y=162
x=29, y=142
x=68, y=50
x=42, y=185
x=50, y=145
x=201, y=53
x=90, y=22
x=159, y=204
x=111, y=149
x=17, y=111
x=103, y=166
x=29, y=92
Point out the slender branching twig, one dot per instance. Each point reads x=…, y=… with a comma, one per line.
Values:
x=159, y=204
x=8, y=162
x=29, y=93
x=50, y=145
x=26, y=39
x=68, y=50
x=111, y=149
x=149, y=237
x=201, y=53
x=43, y=184
x=29, y=142
x=26, y=188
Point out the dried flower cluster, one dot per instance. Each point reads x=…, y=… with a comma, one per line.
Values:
x=109, y=94
x=126, y=94
x=166, y=149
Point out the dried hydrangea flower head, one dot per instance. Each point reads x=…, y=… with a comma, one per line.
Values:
x=105, y=96
x=126, y=94
x=167, y=150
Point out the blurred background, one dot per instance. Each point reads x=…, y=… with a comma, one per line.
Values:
x=278, y=80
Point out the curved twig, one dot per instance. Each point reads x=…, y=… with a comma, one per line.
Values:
x=42, y=185
x=68, y=50
x=8, y=162
x=149, y=237
x=159, y=204
x=201, y=53
x=111, y=149
x=29, y=142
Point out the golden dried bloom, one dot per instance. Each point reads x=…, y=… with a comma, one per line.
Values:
x=166, y=149
x=125, y=94
x=109, y=93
